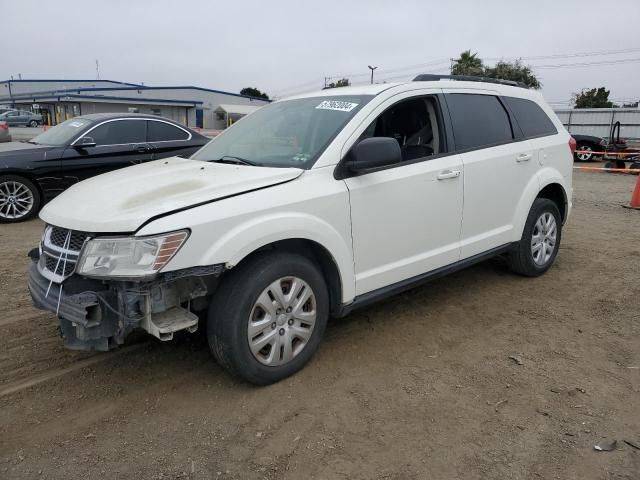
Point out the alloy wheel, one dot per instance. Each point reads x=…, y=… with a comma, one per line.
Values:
x=585, y=154
x=543, y=239
x=16, y=200
x=282, y=321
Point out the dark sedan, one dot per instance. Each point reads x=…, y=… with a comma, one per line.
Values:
x=33, y=172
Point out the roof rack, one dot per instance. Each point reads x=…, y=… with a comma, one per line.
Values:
x=429, y=77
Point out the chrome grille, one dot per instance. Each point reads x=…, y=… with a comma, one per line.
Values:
x=59, y=237
x=62, y=268
x=59, y=252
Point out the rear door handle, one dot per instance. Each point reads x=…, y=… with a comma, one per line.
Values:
x=523, y=157
x=445, y=174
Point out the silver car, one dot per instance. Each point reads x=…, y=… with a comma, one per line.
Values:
x=21, y=117
x=5, y=136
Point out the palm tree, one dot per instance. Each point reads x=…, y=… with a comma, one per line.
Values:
x=467, y=64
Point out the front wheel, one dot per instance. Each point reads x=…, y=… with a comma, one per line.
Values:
x=19, y=199
x=268, y=316
x=537, y=249
x=33, y=123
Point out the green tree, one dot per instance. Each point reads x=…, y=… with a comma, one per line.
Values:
x=467, y=64
x=253, y=92
x=593, y=98
x=514, y=71
x=343, y=82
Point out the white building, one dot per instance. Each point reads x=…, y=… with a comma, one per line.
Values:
x=59, y=100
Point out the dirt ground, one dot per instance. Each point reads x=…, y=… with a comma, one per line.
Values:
x=419, y=386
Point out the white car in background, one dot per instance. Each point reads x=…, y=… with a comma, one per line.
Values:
x=308, y=208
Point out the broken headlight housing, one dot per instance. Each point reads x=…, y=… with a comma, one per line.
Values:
x=129, y=257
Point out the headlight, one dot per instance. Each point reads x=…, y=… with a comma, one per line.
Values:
x=129, y=257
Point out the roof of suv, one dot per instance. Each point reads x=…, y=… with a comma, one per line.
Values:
x=415, y=85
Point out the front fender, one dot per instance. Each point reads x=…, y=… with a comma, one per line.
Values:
x=247, y=237
x=545, y=176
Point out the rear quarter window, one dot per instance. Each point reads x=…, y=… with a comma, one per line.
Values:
x=163, y=132
x=531, y=119
x=478, y=120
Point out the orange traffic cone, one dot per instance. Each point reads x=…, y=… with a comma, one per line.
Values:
x=635, y=196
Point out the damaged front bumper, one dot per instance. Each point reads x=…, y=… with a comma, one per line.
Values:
x=98, y=315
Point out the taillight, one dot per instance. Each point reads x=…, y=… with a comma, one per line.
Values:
x=572, y=145
x=4, y=126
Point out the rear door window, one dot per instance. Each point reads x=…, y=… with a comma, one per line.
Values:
x=163, y=132
x=119, y=132
x=478, y=120
x=530, y=117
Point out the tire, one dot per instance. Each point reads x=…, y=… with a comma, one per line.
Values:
x=236, y=318
x=584, y=157
x=33, y=123
x=635, y=165
x=19, y=199
x=522, y=259
x=610, y=164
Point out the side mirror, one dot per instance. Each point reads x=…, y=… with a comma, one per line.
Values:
x=85, y=142
x=373, y=153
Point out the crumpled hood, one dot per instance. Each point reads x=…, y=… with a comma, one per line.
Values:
x=122, y=200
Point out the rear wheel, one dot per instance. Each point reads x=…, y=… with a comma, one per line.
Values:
x=537, y=249
x=19, y=199
x=584, y=152
x=268, y=316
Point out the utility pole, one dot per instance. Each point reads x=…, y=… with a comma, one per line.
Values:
x=372, y=69
x=97, y=70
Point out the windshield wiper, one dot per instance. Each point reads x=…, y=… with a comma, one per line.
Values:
x=236, y=161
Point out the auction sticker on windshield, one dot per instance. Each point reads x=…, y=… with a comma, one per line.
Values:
x=337, y=105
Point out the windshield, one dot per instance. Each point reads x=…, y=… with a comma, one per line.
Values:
x=292, y=133
x=62, y=134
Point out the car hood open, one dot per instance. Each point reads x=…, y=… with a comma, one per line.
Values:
x=121, y=201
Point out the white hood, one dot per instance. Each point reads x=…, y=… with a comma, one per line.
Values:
x=122, y=200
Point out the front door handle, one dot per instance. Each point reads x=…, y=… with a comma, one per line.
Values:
x=445, y=174
x=142, y=148
x=523, y=157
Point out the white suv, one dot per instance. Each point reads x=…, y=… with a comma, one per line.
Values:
x=308, y=208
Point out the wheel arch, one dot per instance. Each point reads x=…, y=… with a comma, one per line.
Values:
x=549, y=183
x=591, y=143
x=315, y=252
x=556, y=193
